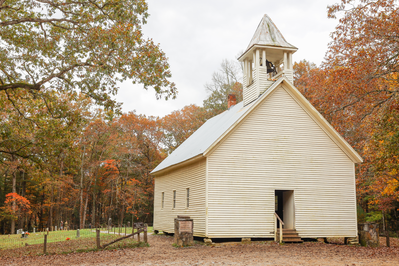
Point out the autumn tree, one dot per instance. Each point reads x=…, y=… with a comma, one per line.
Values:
x=356, y=89
x=55, y=54
x=382, y=152
x=83, y=45
x=38, y=136
x=224, y=82
x=97, y=145
x=302, y=71
x=362, y=61
x=141, y=153
x=13, y=203
x=180, y=124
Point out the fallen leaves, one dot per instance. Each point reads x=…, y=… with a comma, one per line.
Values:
x=162, y=252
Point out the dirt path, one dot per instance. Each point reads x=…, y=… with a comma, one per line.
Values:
x=161, y=252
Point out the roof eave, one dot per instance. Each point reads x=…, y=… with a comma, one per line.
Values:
x=326, y=126
x=177, y=165
x=254, y=46
x=308, y=107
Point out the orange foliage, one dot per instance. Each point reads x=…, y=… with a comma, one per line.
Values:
x=21, y=204
x=356, y=87
x=180, y=124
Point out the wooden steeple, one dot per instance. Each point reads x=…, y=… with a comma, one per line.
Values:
x=267, y=58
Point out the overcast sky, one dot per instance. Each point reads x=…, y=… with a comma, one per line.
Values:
x=197, y=35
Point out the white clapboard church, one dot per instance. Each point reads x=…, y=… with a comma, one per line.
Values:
x=270, y=156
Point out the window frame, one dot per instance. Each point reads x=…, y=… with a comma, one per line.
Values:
x=187, y=197
x=174, y=199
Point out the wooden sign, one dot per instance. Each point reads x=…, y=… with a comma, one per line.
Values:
x=185, y=226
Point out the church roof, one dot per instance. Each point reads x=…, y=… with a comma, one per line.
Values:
x=268, y=34
x=204, y=137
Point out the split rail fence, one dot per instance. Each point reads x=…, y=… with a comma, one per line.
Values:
x=90, y=238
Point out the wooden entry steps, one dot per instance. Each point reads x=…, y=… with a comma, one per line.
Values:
x=290, y=236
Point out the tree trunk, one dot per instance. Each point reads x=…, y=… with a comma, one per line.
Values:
x=383, y=221
x=110, y=204
x=24, y=216
x=61, y=206
x=14, y=190
x=85, y=210
x=93, y=210
x=59, y=192
x=50, y=217
x=122, y=214
x=41, y=224
x=81, y=192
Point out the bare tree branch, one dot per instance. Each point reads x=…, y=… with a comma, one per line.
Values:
x=24, y=20
x=21, y=85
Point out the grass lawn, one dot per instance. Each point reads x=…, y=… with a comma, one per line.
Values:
x=14, y=245
x=14, y=241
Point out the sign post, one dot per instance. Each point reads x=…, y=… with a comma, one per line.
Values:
x=184, y=231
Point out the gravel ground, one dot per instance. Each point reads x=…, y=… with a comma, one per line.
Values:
x=161, y=252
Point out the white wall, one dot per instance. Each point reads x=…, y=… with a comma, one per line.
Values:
x=190, y=176
x=280, y=147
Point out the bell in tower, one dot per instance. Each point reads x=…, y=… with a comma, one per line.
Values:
x=267, y=58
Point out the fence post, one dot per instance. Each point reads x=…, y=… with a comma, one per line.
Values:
x=125, y=228
x=45, y=244
x=98, y=238
x=114, y=230
x=138, y=235
x=145, y=233
x=119, y=228
x=78, y=233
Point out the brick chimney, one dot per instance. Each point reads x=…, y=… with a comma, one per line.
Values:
x=231, y=100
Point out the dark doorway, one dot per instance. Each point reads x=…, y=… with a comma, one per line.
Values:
x=278, y=201
x=284, y=207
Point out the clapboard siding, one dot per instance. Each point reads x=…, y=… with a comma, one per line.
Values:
x=251, y=93
x=190, y=176
x=264, y=83
x=280, y=147
x=289, y=73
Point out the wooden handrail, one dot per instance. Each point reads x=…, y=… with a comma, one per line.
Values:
x=278, y=217
x=275, y=228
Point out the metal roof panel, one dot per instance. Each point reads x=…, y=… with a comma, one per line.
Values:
x=204, y=137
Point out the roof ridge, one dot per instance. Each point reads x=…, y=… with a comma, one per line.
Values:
x=267, y=33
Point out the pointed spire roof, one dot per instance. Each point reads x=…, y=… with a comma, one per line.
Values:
x=268, y=34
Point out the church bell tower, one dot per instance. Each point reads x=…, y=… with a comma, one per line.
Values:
x=267, y=58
